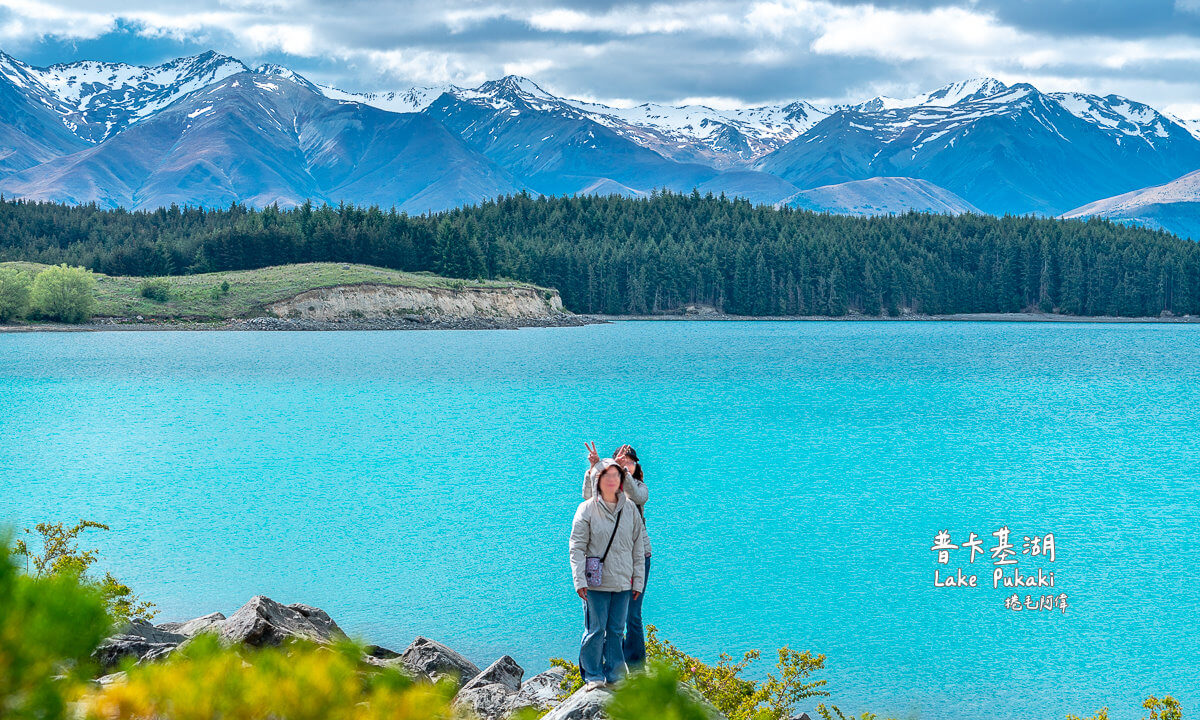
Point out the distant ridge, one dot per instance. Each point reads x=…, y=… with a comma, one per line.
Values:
x=1173, y=206
x=880, y=196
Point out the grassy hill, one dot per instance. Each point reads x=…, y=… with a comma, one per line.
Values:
x=207, y=297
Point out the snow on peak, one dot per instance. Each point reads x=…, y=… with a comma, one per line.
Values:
x=1121, y=116
x=515, y=85
x=97, y=99
x=412, y=100
x=279, y=71
x=945, y=96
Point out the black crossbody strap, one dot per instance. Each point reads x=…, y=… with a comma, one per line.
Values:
x=610, y=537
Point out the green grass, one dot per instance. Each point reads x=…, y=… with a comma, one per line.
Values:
x=199, y=297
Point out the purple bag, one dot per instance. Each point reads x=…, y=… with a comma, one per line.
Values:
x=593, y=567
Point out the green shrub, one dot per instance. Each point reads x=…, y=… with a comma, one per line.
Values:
x=225, y=287
x=1166, y=709
x=60, y=556
x=157, y=289
x=723, y=685
x=657, y=693
x=301, y=681
x=64, y=293
x=14, y=294
x=48, y=628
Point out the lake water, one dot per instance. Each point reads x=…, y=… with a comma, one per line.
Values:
x=424, y=482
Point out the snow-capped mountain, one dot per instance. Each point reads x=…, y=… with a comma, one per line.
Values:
x=182, y=132
x=97, y=99
x=263, y=139
x=414, y=99
x=1001, y=148
x=945, y=96
x=1123, y=119
x=695, y=133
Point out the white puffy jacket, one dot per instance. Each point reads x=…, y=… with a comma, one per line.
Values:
x=635, y=490
x=625, y=566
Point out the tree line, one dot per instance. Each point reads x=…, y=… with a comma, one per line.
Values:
x=656, y=254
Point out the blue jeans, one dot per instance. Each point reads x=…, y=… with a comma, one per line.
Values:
x=634, y=645
x=600, y=656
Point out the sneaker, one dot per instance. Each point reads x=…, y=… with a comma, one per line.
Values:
x=594, y=685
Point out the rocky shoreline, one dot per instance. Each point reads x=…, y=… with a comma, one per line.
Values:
x=406, y=322
x=496, y=692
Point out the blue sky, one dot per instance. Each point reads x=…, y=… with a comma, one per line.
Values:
x=722, y=53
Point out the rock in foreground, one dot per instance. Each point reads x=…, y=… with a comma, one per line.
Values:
x=432, y=660
x=262, y=621
x=583, y=705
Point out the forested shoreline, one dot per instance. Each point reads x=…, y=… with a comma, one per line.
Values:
x=617, y=255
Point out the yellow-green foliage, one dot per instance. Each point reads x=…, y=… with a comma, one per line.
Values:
x=833, y=712
x=573, y=680
x=722, y=684
x=657, y=693
x=1168, y=708
x=60, y=555
x=66, y=294
x=735, y=696
x=300, y=681
x=49, y=626
x=14, y=294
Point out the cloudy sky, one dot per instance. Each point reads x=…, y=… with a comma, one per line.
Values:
x=721, y=53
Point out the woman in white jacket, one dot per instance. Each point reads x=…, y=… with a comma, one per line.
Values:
x=636, y=491
x=608, y=565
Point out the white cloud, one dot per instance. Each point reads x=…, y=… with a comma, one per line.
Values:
x=771, y=50
x=32, y=20
x=694, y=17
x=287, y=38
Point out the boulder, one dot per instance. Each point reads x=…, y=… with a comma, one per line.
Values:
x=113, y=650
x=139, y=640
x=207, y=623
x=146, y=631
x=800, y=716
x=381, y=653
x=505, y=672
x=433, y=660
x=491, y=701
x=106, y=680
x=492, y=694
x=262, y=621
x=544, y=690
x=583, y=705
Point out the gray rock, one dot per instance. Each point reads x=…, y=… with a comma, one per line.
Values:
x=207, y=623
x=146, y=631
x=262, y=621
x=504, y=671
x=433, y=660
x=544, y=690
x=801, y=716
x=381, y=653
x=115, y=649
x=106, y=680
x=583, y=705
x=491, y=701
x=492, y=694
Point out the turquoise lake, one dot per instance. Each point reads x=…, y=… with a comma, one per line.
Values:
x=423, y=482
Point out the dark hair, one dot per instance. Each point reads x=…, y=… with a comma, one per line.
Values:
x=637, y=465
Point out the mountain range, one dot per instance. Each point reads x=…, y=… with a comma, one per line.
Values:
x=209, y=130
